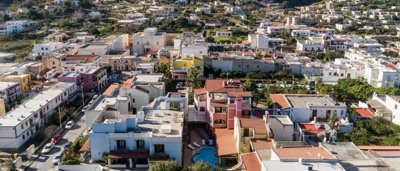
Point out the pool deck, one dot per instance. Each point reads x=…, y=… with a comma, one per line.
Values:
x=187, y=152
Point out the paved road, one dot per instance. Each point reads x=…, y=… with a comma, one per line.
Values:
x=44, y=162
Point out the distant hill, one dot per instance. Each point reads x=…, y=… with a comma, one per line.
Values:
x=296, y=3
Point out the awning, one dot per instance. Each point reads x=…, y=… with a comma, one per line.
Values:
x=128, y=154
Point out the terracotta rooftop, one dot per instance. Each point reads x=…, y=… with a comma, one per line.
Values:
x=311, y=129
x=127, y=84
x=388, y=151
x=85, y=147
x=221, y=86
x=82, y=58
x=280, y=100
x=258, y=125
x=242, y=94
x=111, y=90
x=251, y=162
x=364, y=113
x=200, y=91
x=225, y=142
x=306, y=153
x=261, y=144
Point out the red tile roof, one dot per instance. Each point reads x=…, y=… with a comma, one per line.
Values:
x=85, y=147
x=310, y=128
x=391, y=66
x=220, y=87
x=261, y=144
x=242, y=94
x=83, y=58
x=306, y=153
x=388, y=151
x=251, y=162
x=225, y=142
x=111, y=90
x=127, y=84
x=200, y=91
x=280, y=100
x=364, y=113
x=259, y=125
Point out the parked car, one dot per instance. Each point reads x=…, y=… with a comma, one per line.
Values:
x=56, y=139
x=47, y=148
x=69, y=124
x=57, y=158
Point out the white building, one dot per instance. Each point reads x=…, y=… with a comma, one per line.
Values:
x=191, y=45
x=307, y=107
x=46, y=48
x=148, y=40
x=223, y=34
x=341, y=69
x=262, y=41
x=135, y=141
x=385, y=106
x=204, y=10
x=21, y=124
x=382, y=75
x=9, y=91
x=281, y=126
x=313, y=44
x=13, y=27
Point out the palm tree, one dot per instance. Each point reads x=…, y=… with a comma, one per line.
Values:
x=195, y=78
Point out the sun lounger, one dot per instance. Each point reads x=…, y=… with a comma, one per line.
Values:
x=197, y=145
x=203, y=142
x=191, y=147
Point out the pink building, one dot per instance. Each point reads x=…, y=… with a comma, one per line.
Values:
x=221, y=101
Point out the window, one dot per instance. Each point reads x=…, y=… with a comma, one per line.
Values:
x=395, y=106
x=202, y=109
x=159, y=148
x=139, y=144
x=121, y=144
x=133, y=100
x=220, y=110
x=219, y=121
x=23, y=137
x=22, y=126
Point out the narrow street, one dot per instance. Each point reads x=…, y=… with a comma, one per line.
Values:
x=44, y=162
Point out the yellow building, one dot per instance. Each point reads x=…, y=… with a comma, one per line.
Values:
x=164, y=61
x=53, y=62
x=24, y=81
x=2, y=107
x=182, y=65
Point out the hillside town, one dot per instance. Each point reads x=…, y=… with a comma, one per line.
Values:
x=183, y=85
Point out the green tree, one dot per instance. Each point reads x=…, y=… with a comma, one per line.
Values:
x=195, y=77
x=165, y=165
x=200, y=166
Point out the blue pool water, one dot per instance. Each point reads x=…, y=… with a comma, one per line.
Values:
x=207, y=155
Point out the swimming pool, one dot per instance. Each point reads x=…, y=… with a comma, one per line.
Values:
x=206, y=155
